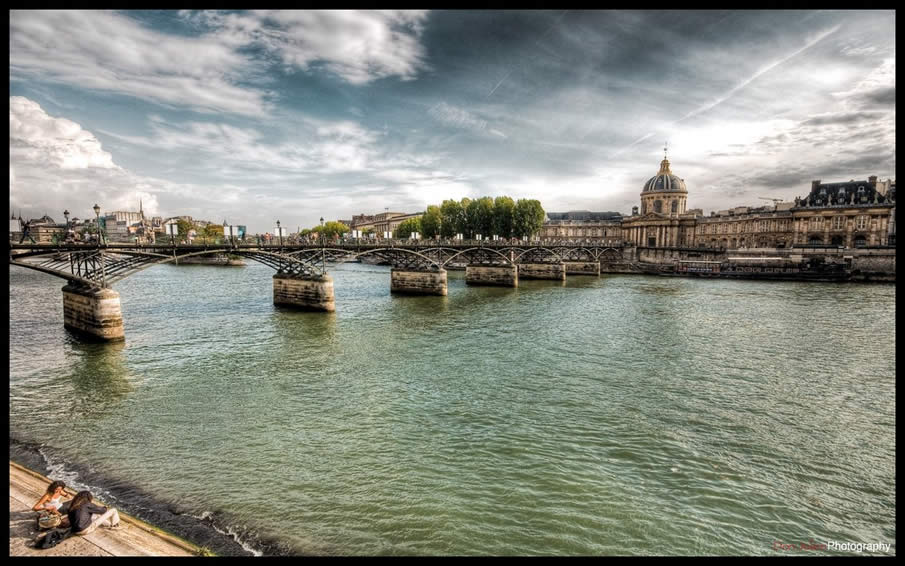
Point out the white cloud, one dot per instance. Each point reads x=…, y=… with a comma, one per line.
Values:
x=111, y=52
x=56, y=164
x=880, y=78
x=357, y=46
x=57, y=141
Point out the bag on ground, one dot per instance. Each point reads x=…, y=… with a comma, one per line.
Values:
x=52, y=538
x=47, y=520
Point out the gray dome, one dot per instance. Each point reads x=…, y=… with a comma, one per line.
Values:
x=665, y=183
x=664, y=180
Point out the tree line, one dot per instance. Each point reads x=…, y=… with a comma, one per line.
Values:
x=501, y=216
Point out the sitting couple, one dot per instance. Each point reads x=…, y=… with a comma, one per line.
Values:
x=82, y=516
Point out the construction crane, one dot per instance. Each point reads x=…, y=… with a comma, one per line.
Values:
x=775, y=200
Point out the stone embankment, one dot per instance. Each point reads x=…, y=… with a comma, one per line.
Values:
x=135, y=538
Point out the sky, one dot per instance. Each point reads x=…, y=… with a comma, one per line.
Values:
x=253, y=117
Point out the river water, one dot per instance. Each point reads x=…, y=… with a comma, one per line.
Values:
x=626, y=415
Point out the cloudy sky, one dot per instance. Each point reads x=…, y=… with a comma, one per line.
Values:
x=251, y=117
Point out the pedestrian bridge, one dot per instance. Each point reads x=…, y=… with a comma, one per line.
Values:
x=301, y=277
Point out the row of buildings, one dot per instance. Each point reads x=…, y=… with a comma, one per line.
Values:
x=379, y=224
x=117, y=226
x=842, y=214
x=847, y=214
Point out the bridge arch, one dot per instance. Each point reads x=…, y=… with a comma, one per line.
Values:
x=537, y=253
x=398, y=257
x=99, y=268
x=480, y=251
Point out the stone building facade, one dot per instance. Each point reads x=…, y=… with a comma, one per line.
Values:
x=605, y=228
x=380, y=223
x=845, y=214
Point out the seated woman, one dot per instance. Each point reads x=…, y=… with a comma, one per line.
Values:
x=52, y=501
x=85, y=516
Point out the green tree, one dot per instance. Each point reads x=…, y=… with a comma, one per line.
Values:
x=484, y=217
x=406, y=227
x=462, y=224
x=471, y=218
x=528, y=218
x=330, y=230
x=431, y=221
x=183, y=226
x=503, y=211
x=212, y=233
x=450, y=211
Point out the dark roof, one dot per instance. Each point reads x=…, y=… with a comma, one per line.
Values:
x=664, y=182
x=847, y=192
x=584, y=215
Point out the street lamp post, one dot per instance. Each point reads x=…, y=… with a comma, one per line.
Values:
x=323, y=245
x=97, y=215
x=66, y=215
x=280, y=232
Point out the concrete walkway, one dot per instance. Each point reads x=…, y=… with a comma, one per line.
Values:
x=136, y=538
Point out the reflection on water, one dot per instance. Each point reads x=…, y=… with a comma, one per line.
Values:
x=99, y=377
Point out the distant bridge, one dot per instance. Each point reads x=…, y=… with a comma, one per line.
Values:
x=102, y=266
x=91, y=307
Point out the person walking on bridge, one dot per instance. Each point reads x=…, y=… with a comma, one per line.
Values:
x=26, y=233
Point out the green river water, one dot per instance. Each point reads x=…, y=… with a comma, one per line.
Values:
x=627, y=415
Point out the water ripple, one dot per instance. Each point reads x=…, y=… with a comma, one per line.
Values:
x=619, y=415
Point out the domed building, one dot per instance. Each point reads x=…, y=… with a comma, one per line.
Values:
x=851, y=214
x=664, y=193
x=663, y=220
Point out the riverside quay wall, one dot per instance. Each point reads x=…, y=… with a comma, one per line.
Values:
x=864, y=264
x=582, y=267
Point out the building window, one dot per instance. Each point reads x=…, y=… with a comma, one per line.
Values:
x=862, y=222
x=860, y=241
x=658, y=206
x=816, y=223
x=838, y=222
x=675, y=206
x=763, y=225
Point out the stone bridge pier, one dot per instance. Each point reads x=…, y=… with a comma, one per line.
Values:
x=304, y=292
x=410, y=282
x=93, y=312
x=483, y=274
x=582, y=267
x=554, y=271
